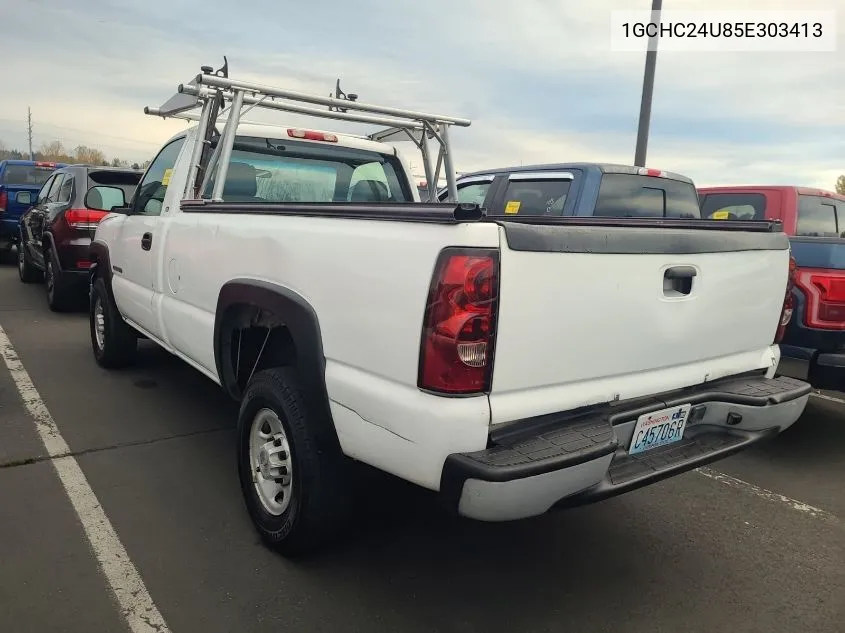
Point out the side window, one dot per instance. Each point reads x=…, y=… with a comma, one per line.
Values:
x=65, y=189
x=536, y=197
x=45, y=189
x=816, y=217
x=53, y=194
x=473, y=193
x=149, y=197
x=734, y=206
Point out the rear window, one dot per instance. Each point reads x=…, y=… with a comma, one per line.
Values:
x=817, y=217
x=734, y=206
x=535, y=197
x=633, y=196
x=30, y=175
x=128, y=181
x=277, y=170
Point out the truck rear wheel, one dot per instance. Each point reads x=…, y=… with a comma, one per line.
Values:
x=115, y=343
x=291, y=476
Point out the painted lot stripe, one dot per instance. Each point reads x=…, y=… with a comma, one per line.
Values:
x=739, y=484
x=136, y=605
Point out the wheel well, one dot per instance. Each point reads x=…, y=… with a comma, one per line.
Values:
x=254, y=339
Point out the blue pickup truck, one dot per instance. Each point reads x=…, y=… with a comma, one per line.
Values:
x=20, y=182
x=572, y=189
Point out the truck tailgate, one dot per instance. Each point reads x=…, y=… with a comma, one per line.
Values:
x=592, y=314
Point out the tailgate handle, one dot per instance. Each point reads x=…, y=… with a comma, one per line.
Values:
x=680, y=272
x=677, y=281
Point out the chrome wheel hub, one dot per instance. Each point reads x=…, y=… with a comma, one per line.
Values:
x=99, y=324
x=49, y=277
x=270, y=461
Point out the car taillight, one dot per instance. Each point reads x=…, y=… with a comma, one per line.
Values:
x=84, y=218
x=4, y=201
x=459, y=329
x=788, y=302
x=825, y=293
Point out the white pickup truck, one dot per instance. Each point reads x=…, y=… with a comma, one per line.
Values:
x=512, y=363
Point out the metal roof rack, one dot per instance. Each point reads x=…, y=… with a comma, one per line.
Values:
x=213, y=92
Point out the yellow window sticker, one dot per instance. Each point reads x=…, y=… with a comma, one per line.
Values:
x=512, y=207
x=165, y=180
x=722, y=214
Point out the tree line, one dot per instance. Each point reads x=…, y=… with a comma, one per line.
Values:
x=56, y=152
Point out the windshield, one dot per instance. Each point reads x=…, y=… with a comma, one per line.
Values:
x=32, y=175
x=277, y=170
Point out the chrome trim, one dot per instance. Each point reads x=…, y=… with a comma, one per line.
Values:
x=542, y=175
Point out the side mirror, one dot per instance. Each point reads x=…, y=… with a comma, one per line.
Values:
x=24, y=197
x=102, y=198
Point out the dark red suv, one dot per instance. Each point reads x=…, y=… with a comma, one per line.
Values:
x=56, y=232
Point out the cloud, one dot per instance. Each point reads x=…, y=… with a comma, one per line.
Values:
x=537, y=77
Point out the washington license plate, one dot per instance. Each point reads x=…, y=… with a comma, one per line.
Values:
x=659, y=428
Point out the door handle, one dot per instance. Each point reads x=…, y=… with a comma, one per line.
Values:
x=680, y=272
x=677, y=280
x=147, y=241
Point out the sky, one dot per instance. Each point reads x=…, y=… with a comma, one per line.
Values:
x=538, y=78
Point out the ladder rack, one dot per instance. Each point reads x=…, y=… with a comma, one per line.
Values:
x=212, y=93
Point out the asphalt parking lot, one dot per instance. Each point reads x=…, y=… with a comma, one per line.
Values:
x=755, y=543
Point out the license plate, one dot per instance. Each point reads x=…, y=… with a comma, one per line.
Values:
x=659, y=428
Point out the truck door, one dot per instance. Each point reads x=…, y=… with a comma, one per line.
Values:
x=133, y=263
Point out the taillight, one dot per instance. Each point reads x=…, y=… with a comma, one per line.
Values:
x=310, y=135
x=459, y=329
x=825, y=293
x=788, y=301
x=647, y=171
x=4, y=201
x=84, y=218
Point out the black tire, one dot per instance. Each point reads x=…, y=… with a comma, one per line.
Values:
x=26, y=271
x=6, y=255
x=318, y=501
x=59, y=295
x=119, y=345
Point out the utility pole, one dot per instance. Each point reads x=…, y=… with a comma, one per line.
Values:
x=29, y=129
x=648, y=88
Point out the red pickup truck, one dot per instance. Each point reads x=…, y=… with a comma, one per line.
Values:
x=813, y=346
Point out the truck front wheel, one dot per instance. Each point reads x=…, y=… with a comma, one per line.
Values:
x=290, y=476
x=115, y=343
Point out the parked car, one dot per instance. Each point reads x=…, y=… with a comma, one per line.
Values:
x=813, y=346
x=55, y=233
x=20, y=181
x=512, y=363
x=579, y=189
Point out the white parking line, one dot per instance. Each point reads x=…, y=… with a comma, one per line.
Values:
x=136, y=605
x=739, y=484
x=823, y=396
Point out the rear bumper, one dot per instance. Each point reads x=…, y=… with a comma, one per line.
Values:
x=8, y=229
x=565, y=460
